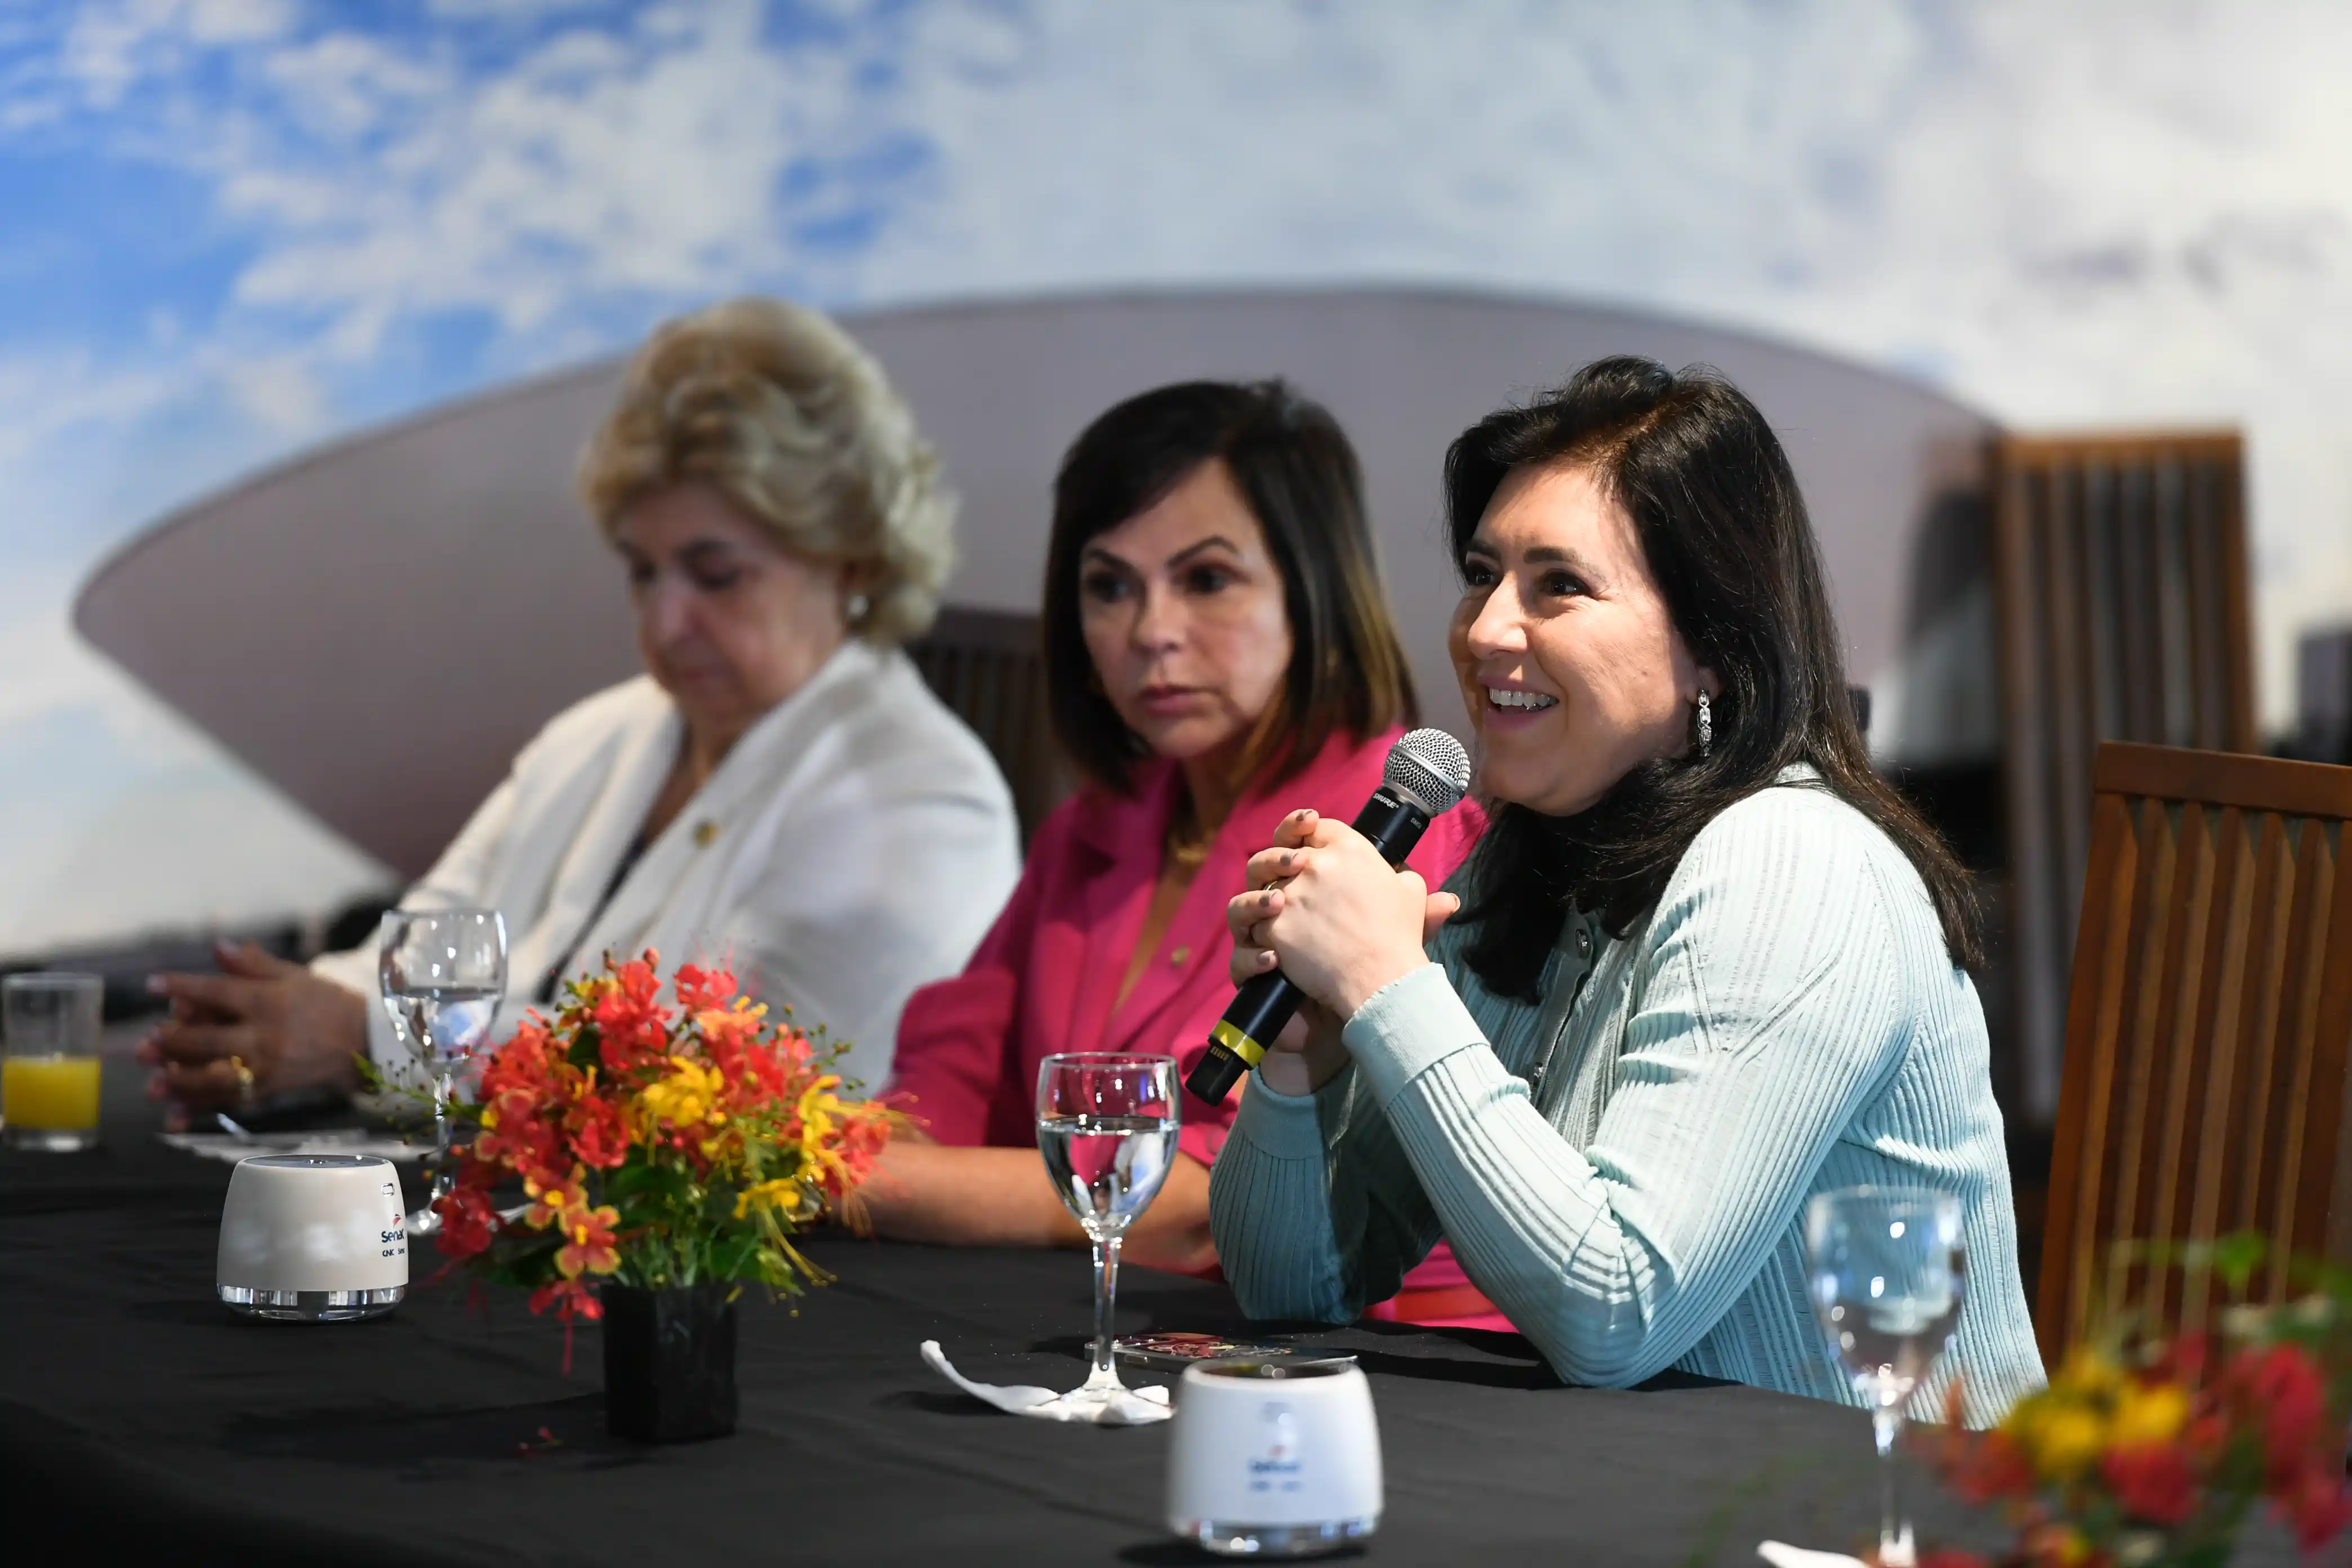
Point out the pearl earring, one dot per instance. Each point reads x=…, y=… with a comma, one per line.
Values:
x=1706, y=725
x=856, y=607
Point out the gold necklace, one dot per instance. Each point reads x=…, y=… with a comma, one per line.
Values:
x=1187, y=843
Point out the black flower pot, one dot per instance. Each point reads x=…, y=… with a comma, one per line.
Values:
x=669, y=1362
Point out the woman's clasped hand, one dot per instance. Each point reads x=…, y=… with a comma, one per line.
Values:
x=1340, y=922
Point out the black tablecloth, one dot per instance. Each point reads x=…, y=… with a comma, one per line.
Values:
x=137, y=1413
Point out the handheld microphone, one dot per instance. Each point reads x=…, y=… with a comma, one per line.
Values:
x=1427, y=773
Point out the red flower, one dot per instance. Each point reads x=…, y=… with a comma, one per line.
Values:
x=588, y=1246
x=522, y=1065
x=518, y=1142
x=2283, y=1386
x=2316, y=1504
x=1985, y=1467
x=633, y=1028
x=600, y=1134
x=570, y=1297
x=703, y=990
x=2154, y=1484
x=469, y=1221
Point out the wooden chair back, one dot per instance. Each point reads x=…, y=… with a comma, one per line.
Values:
x=2206, y=1028
x=989, y=667
x=2120, y=574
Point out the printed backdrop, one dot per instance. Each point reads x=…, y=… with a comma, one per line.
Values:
x=229, y=228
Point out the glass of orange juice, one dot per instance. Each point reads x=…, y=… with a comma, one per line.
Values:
x=48, y=1060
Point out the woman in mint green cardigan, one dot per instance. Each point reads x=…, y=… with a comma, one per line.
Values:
x=1704, y=965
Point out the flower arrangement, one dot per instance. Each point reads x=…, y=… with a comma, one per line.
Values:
x=660, y=1147
x=2148, y=1450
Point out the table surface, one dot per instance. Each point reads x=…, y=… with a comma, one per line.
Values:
x=137, y=1412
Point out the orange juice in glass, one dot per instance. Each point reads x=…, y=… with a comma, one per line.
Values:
x=48, y=1060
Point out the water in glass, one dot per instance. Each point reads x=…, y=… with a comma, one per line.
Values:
x=1106, y=1126
x=445, y=1021
x=1106, y=1168
x=443, y=973
x=1887, y=1274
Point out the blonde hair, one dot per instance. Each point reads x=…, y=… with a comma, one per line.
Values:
x=775, y=407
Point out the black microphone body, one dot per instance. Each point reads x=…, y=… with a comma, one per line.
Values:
x=1394, y=822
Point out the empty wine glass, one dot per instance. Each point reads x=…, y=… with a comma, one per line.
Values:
x=1106, y=1125
x=1886, y=1270
x=443, y=973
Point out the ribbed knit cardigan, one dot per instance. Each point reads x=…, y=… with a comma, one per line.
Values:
x=1623, y=1168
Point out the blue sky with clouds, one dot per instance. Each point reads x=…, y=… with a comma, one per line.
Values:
x=234, y=227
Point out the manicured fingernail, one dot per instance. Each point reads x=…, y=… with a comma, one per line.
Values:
x=155, y=984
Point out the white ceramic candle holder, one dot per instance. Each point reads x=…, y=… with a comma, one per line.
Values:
x=1274, y=1459
x=313, y=1238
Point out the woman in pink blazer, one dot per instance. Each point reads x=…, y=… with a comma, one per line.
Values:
x=1219, y=653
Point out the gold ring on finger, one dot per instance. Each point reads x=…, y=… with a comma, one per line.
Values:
x=244, y=1079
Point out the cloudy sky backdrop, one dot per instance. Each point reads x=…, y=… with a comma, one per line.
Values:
x=229, y=228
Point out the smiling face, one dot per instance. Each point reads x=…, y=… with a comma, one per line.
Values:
x=1569, y=664
x=729, y=622
x=1181, y=607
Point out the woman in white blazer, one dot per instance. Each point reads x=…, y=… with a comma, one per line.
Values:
x=779, y=792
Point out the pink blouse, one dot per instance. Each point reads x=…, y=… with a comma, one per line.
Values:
x=1047, y=977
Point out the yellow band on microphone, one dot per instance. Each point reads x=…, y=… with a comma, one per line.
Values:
x=1240, y=1045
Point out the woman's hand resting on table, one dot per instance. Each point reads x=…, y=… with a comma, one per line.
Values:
x=290, y=1028
x=1325, y=909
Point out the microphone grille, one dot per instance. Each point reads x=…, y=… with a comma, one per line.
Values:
x=1431, y=766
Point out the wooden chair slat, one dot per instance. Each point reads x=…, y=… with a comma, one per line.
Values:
x=2209, y=1027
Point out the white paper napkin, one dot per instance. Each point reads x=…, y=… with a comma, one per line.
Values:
x=1136, y=1407
x=1785, y=1556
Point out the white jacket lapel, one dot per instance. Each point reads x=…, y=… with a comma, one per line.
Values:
x=648, y=750
x=670, y=897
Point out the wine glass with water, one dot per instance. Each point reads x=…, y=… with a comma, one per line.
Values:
x=1886, y=1269
x=1106, y=1125
x=443, y=973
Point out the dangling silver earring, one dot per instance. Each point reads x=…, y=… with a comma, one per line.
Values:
x=1706, y=725
x=856, y=607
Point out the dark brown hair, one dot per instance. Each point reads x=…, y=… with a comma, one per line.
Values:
x=1724, y=529
x=1293, y=465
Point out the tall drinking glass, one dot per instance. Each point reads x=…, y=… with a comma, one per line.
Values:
x=443, y=973
x=48, y=1077
x=1887, y=1271
x=1106, y=1125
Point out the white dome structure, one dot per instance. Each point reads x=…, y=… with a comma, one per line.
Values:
x=376, y=626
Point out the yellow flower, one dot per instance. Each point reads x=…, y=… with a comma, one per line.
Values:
x=2066, y=1439
x=2088, y=1374
x=819, y=1108
x=2150, y=1414
x=687, y=1098
x=552, y=1202
x=784, y=1192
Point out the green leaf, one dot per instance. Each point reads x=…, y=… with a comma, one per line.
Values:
x=2236, y=1255
x=734, y=1257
